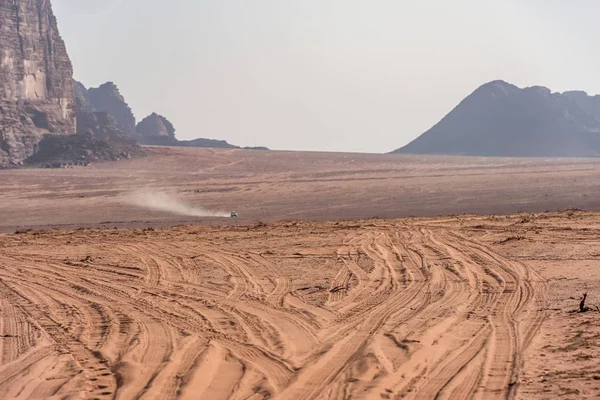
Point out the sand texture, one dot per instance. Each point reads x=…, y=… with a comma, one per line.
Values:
x=283, y=304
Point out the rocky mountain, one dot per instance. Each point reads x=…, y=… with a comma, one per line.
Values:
x=36, y=87
x=155, y=125
x=98, y=138
x=107, y=98
x=500, y=119
x=156, y=130
x=590, y=104
x=44, y=114
x=81, y=101
x=98, y=134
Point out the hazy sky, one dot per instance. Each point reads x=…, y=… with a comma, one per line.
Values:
x=344, y=75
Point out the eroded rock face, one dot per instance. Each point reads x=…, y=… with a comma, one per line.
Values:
x=36, y=87
x=155, y=125
x=107, y=98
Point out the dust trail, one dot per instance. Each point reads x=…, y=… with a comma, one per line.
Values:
x=161, y=201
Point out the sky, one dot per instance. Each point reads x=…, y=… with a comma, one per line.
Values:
x=325, y=75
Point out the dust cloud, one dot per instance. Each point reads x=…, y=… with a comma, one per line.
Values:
x=161, y=201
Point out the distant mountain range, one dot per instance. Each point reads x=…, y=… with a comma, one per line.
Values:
x=500, y=119
x=152, y=130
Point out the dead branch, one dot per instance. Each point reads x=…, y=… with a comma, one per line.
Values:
x=582, y=307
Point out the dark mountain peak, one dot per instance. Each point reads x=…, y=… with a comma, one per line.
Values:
x=499, y=83
x=110, y=85
x=500, y=119
x=108, y=89
x=497, y=88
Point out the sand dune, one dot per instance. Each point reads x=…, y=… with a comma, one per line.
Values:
x=376, y=309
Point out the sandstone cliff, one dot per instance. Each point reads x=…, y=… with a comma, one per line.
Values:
x=500, y=119
x=36, y=87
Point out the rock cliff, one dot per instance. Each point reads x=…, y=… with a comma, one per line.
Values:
x=500, y=119
x=36, y=87
x=107, y=98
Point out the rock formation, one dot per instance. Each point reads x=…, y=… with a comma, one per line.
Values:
x=155, y=125
x=590, y=104
x=98, y=138
x=39, y=101
x=81, y=101
x=500, y=119
x=36, y=89
x=156, y=130
x=107, y=98
x=81, y=149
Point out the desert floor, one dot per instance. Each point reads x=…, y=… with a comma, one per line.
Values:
x=298, y=307
x=274, y=185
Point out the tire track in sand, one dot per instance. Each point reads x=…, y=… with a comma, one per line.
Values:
x=388, y=311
